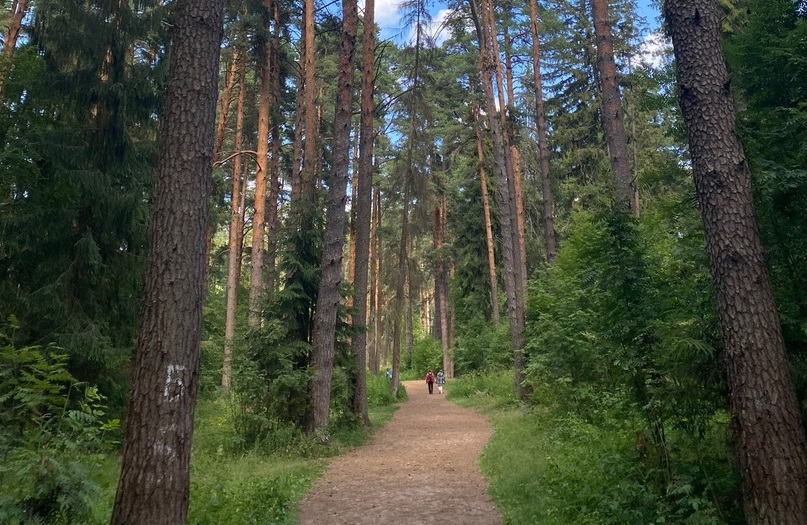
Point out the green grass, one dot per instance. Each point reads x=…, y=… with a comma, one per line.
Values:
x=254, y=487
x=547, y=467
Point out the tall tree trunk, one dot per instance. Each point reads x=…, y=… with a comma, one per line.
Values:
x=274, y=165
x=310, y=127
x=515, y=155
x=363, y=202
x=543, y=146
x=375, y=285
x=154, y=481
x=765, y=413
x=257, y=285
x=494, y=284
x=400, y=285
x=322, y=354
x=18, y=10
x=611, y=112
x=224, y=103
x=505, y=192
x=236, y=231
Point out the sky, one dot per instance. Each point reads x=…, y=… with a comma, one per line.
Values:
x=388, y=18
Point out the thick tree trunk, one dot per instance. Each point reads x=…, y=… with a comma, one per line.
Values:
x=612, y=118
x=543, y=146
x=154, y=480
x=257, y=285
x=236, y=231
x=322, y=354
x=765, y=413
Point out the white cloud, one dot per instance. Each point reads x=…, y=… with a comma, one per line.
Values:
x=655, y=50
x=386, y=15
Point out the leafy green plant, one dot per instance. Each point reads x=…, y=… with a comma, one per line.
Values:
x=51, y=429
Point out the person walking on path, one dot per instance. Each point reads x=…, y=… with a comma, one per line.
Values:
x=441, y=380
x=430, y=381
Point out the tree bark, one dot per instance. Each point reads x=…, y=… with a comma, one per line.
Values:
x=18, y=10
x=154, y=481
x=235, y=235
x=274, y=166
x=310, y=128
x=765, y=414
x=543, y=146
x=224, y=103
x=611, y=113
x=322, y=354
x=257, y=285
x=505, y=192
x=364, y=202
x=375, y=285
x=494, y=284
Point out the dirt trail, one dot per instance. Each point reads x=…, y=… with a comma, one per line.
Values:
x=421, y=468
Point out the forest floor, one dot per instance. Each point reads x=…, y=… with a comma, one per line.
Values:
x=421, y=468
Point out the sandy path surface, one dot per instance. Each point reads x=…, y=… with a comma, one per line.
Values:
x=421, y=468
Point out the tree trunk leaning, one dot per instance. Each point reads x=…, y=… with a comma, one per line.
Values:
x=154, y=483
x=766, y=420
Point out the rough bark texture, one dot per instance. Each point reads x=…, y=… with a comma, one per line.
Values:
x=235, y=235
x=257, y=285
x=322, y=354
x=765, y=415
x=543, y=146
x=154, y=481
x=363, y=203
x=612, y=118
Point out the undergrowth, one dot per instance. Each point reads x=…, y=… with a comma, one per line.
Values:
x=547, y=466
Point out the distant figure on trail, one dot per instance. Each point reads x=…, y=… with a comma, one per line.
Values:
x=441, y=380
x=389, y=373
x=430, y=381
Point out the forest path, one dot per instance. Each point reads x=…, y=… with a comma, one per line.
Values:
x=421, y=468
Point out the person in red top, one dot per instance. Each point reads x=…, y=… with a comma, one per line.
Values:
x=430, y=381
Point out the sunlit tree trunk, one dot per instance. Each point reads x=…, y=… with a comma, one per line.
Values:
x=154, y=483
x=543, y=146
x=322, y=354
x=308, y=173
x=16, y=14
x=236, y=231
x=224, y=102
x=611, y=113
x=766, y=419
x=257, y=284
